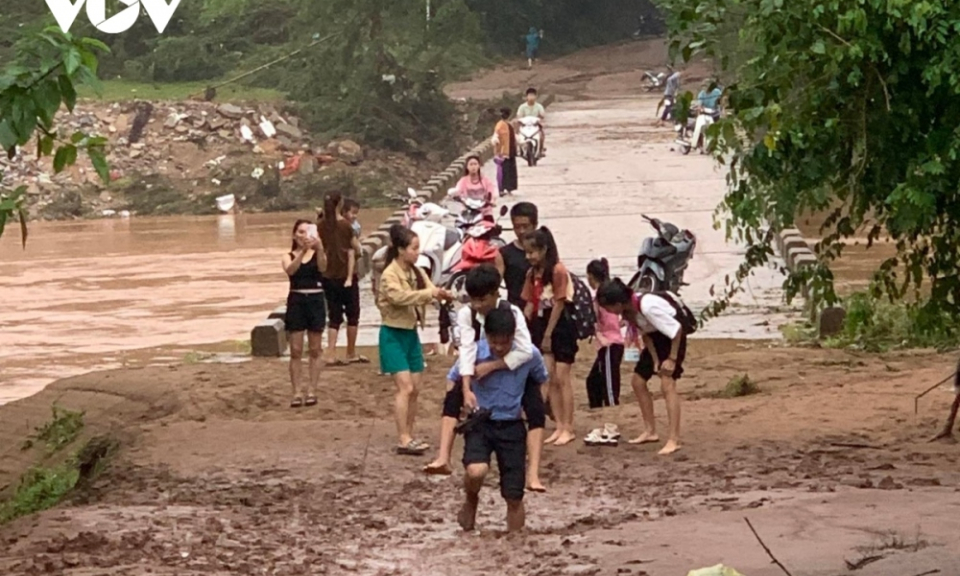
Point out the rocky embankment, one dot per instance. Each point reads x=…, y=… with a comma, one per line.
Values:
x=176, y=158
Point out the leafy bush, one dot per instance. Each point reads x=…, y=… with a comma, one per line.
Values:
x=186, y=59
x=875, y=324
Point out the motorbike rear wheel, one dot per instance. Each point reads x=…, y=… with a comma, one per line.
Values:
x=531, y=160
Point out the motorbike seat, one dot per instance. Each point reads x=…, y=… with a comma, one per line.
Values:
x=450, y=239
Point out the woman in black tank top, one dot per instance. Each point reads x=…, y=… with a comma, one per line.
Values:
x=306, y=309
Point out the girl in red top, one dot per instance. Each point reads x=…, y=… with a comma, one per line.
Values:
x=547, y=292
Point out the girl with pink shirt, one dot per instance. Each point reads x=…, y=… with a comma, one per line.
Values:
x=603, y=382
x=475, y=185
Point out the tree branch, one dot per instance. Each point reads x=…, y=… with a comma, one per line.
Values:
x=767, y=550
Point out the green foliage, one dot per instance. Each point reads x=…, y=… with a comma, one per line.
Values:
x=849, y=104
x=876, y=325
x=32, y=90
x=39, y=489
x=61, y=430
x=739, y=386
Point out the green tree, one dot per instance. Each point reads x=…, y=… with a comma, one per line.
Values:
x=44, y=77
x=851, y=107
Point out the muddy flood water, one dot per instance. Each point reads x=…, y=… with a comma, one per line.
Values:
x=90, y=295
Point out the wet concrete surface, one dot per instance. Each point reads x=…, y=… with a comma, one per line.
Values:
x=606, y=166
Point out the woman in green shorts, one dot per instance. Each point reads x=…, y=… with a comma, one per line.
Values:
x=403, y=294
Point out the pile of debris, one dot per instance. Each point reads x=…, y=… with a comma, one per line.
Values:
x=179, y=140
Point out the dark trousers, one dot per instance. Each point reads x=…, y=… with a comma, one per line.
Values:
x=603, y=382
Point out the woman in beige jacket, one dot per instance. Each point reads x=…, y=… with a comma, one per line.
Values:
x=402, y=296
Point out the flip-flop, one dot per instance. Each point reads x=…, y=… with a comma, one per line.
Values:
x=296, y=402
x=413, y=448
x=310, y=401
x=359, y=360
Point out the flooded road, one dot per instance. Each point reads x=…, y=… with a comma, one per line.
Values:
x=91, y=295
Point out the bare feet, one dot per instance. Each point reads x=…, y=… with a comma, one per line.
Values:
x=553, y=437
x=438, y=468
x=565, y=438
x=467, y=517
x=669, y=448
x=645, y=438
x=534, y=485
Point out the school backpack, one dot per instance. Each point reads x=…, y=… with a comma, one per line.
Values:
x=581, y=309
x=502, y=305
x=685, y=316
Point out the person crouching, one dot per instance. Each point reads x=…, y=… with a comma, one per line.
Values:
x=499, y=395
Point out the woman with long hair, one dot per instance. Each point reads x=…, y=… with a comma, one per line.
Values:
x=304, y=265
x=474, y=184
x=548, y=291
x=402, y=297
x=505, y=139
x=342, y=285
x=664, y=349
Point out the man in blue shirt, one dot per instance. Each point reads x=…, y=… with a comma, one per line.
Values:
x=503, y=433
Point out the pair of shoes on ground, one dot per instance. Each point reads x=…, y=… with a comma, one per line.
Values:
x=609, y=435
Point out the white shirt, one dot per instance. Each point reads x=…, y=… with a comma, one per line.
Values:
x=522, y=343
x=658, y=315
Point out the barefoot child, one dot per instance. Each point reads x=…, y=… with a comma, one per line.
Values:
x=547, y=292
x=664, y=348
x=503, y=433
x=483, y=286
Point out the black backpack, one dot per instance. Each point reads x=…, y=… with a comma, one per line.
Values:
x=581, y=309
x=502, y=305
x=685, y=316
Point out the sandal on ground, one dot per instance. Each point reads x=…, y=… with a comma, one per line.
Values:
x=611, y=430
x=413, y=448
x=599, y=437
x=359, y=360
x=296, y=402
x=310, y=401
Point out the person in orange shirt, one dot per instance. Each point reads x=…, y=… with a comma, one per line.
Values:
x=505, y=153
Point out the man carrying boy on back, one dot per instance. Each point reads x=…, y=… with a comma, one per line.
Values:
x=499, y=430
x=483, y=286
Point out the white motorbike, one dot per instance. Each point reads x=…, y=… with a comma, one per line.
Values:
x=530, y=140
x=698, y=123
x=653, y=81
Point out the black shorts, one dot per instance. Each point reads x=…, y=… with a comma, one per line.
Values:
x=645, y=367
x=532, y=403
x=342, y=301
x=564, y=343
x=305, y=312
x=508, y=439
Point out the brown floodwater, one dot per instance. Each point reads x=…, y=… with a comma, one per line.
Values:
x=98, y=294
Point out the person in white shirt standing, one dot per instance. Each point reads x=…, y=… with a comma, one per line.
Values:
x=664, y=348
x=482, y=284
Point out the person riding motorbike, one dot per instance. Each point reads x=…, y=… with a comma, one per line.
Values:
x=710, y=98
x=475, y=186
x=533, y=108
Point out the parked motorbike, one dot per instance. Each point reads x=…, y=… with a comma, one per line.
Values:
x=653, y=81
x=530, y=140
x=663, y=259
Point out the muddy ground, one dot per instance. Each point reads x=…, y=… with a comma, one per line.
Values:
x=218, y=476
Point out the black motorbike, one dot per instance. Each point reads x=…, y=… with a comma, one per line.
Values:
x=663, y=259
